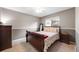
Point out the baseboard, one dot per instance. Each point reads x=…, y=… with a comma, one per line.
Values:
x=16, y=41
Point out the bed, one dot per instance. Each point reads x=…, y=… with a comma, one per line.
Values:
x=42, y=40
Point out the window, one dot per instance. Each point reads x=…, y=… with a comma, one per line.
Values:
x=54, y=21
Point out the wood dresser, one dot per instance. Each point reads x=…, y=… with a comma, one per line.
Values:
x=5, y=37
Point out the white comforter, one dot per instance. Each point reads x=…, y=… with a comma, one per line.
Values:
x=52, y=37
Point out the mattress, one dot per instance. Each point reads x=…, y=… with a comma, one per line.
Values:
x=52, y=37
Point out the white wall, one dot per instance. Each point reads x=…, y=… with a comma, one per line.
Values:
x=77, y=28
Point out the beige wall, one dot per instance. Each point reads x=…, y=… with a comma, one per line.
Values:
x=20, y=22
x=77, y=28
x=0, y=13
x=67, y=18
x=67, y=21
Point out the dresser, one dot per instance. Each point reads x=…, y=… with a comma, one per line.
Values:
x=5, y=37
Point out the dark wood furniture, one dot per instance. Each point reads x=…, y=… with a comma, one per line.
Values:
x=37, y=40
x=65, y=37
x=5, y=37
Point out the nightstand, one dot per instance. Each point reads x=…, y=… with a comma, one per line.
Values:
x=65, y=37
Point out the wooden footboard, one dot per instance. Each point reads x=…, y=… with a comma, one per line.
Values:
x=36, y=41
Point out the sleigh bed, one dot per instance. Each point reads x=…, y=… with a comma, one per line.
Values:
x=42, y=40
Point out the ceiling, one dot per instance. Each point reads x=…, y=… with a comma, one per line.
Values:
x=31, y=10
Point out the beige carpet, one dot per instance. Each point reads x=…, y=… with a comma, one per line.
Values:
x=26, y=47
x=62, y=47
x=21, y=47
